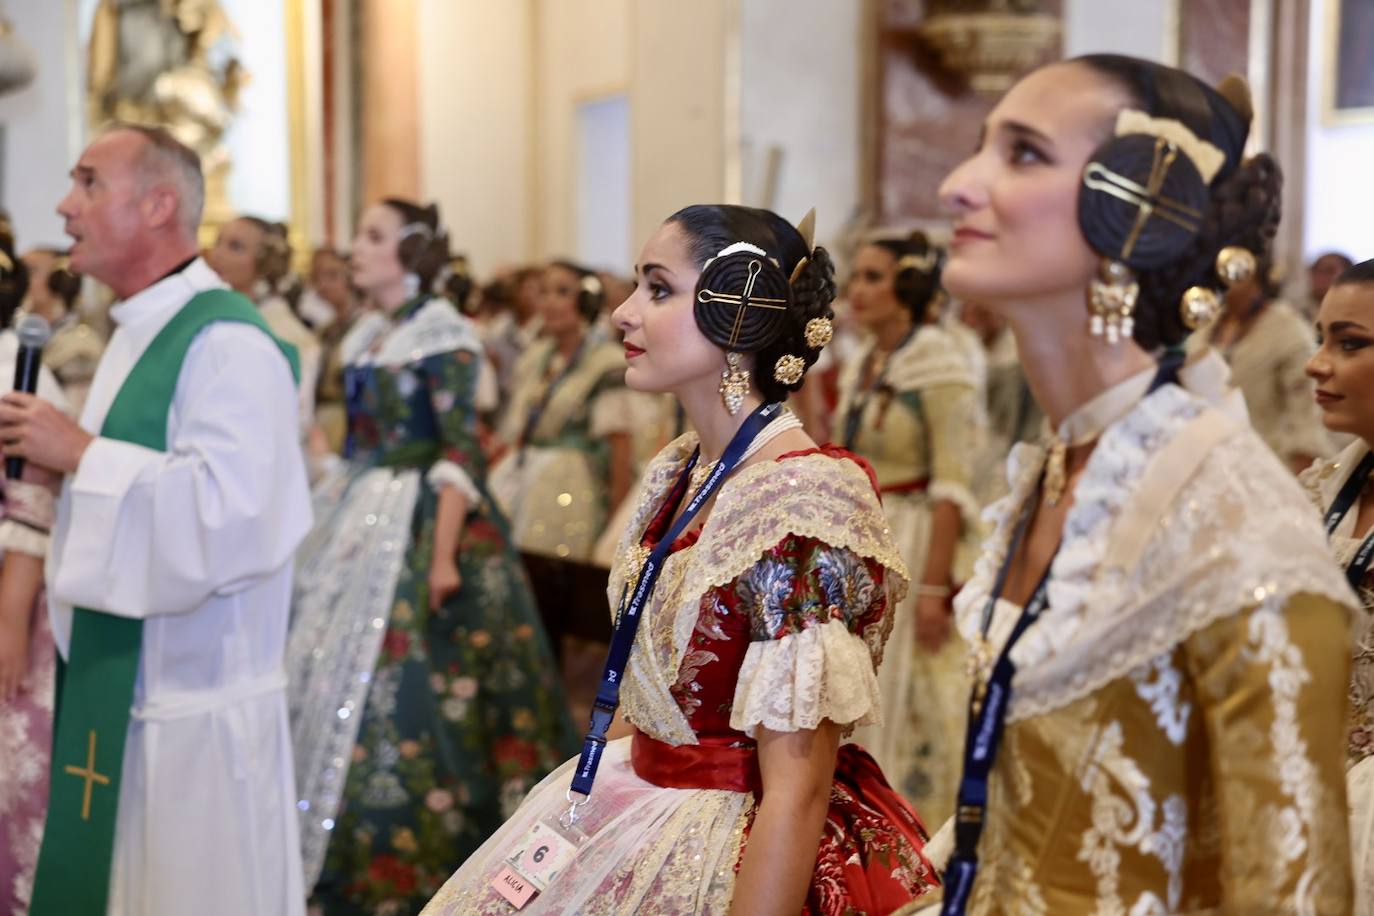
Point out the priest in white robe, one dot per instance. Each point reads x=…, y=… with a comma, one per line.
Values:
x=195, y=540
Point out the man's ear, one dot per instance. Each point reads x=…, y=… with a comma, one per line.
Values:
x=160, y=204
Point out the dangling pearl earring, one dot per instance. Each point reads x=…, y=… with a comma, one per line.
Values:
x=734, y=383
x=412, y=285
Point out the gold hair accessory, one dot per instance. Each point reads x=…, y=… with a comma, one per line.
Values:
x=789, y=369
x=819, y=332
x=1208, y=158
x=807, y=230
x=925, y=263
x=1111, y=301
x=744, y=301
x=1146, y=198
x=1200, y=306
x=1235, y=265
x=734, y=383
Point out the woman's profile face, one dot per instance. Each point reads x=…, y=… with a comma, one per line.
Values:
x=664, y=348
x=374, y=260
x=559, y=289
x=1015, y=200
x=235, y=255
x=1343, y=366
x=872, y=289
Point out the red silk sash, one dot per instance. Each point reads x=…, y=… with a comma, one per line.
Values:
x=696, y=766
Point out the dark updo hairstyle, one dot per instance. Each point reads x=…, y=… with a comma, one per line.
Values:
x=62, y=283
x=458, y=284
x=14, y=282
x=274, y=254
x=590, y=293
x=1239, y=206
x=769, y=334
x=1362, y=272
x=916, y=272
x=423, y=248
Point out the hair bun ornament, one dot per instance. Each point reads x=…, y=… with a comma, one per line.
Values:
x=742, y=300
x=1143, y=200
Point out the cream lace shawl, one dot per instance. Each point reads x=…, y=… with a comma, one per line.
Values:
x=1181, y=518
x=824, y=672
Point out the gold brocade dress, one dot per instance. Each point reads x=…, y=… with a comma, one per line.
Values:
x=1323, y=482
x=1176, y=732
x=554, y=486
x=920, y=426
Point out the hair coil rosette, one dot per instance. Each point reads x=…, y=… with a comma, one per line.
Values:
x=742, y=301
x=1143, y=201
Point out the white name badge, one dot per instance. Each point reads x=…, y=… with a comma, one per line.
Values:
x=536, y=861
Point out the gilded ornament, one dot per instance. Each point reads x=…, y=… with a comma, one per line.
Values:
x=819, y=332
x=1235, y=265
x=1111, y=300
x=1200, y=306
x=789, y=369
x=734, y=383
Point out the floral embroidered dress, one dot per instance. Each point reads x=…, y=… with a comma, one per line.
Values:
x=920, y=425
x=775, y=615
x=1176, y=731
x=554, y=484
x=1323, y=481
x=26, y=515
x=416, y=732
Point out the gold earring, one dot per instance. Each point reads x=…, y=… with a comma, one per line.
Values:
x=734, y=383
x=789, y=369
x=1111, y=301
x=1200, y=306
x=1235, y=265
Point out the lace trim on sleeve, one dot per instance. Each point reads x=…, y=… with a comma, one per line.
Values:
x=798, y=681
x=447, y=474
x=20, y=539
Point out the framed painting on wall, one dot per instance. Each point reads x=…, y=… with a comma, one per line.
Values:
x=1350, y=73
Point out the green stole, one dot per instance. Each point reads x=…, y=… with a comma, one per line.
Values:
x=96, y=685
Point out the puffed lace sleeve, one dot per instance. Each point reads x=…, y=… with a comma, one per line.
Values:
x=810, y=608
x=26, y=516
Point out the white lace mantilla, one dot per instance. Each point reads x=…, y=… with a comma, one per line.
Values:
x=437, y=327
x=1217, y=524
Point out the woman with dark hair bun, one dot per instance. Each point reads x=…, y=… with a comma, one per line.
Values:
x=909, y=403
x=570, y=459
x=1159, y=637
x=744, y=664
x=253, y=257
x=74, y=350
x=1267, y=343
x=1343, y=490
x=423, y=694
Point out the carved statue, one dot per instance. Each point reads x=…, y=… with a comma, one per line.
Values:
x=168, y=62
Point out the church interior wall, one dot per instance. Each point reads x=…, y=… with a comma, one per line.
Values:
x=44, y=123
x=1340, y=190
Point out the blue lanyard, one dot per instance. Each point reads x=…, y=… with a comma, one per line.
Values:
x=537, y=411
x=985, y=726
x=608, y=694
x=1350, y=493
x=855, y=414
x=987, y=721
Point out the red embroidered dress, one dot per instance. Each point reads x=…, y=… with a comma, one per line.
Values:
x=774, y=614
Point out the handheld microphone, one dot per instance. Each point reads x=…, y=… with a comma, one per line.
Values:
x=33, y=334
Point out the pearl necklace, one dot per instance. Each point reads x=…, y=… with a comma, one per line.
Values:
x=782, y=423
